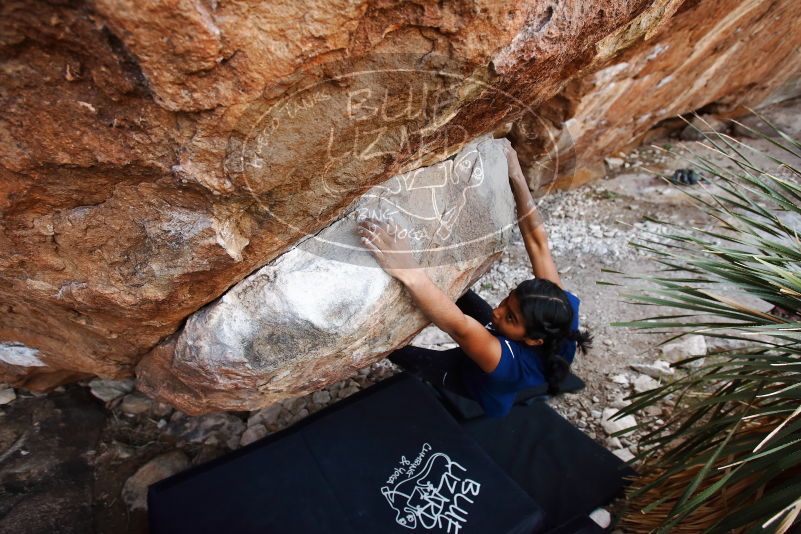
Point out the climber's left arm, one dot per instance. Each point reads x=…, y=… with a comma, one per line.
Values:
x=535, y=237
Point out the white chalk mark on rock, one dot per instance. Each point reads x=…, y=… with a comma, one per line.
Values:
x=18, y=354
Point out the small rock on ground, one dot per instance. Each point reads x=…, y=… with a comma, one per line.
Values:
x=266, y=416
x=624, y=454
x=644, y=383
x=253, y=433
x=7, y=395
x=687, y=346
x=134, y=492
x=620, y=379
x=108, y=390
x=162, y=409
x=135, y=403
x=209, y=429
x=611, y=426
x=321, y=397
x=657, y=369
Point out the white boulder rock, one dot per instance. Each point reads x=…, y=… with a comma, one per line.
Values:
x=614, y=163
x=618, y=402
x=325, y=309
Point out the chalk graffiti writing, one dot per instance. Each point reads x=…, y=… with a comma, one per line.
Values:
x=392, y=227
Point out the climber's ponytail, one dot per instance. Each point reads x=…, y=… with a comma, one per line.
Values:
x=555, y=367
x=582, y=338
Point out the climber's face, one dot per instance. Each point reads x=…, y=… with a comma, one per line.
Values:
x=507, y=319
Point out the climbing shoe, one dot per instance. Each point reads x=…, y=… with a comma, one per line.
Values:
x=685, y=177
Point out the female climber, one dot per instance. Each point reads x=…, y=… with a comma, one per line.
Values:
x=529, y=340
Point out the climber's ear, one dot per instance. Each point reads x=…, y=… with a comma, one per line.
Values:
x=533, y=342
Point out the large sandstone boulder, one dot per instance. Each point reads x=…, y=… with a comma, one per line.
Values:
x=324, y=309
x=154, y=154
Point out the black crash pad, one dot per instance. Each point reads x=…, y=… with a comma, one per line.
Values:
x=387, y=460
x=464, y=408
x=566, y=473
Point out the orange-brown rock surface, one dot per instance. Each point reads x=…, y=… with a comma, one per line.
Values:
x=154, y=154
x=717, y=55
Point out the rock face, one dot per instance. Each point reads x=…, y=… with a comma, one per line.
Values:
x=323, y=310
x=154, y=155
x=713, y=55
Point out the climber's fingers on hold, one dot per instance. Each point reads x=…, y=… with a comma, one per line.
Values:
x=377, y=228
x=368, y=223
x=367, y=229
x=366, y=233
x=370, y=235
x=372, y=248
x=373, y=238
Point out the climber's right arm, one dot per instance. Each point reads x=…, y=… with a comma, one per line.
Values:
x=475, y=340
x=395, y=257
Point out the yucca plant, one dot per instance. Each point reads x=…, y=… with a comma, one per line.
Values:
x=728, y=458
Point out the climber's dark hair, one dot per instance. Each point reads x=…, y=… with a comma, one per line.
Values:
x=547, y=315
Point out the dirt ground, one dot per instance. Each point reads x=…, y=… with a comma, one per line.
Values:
x=65, y=456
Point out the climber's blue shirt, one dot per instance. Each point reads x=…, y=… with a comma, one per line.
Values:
x=520, y=368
